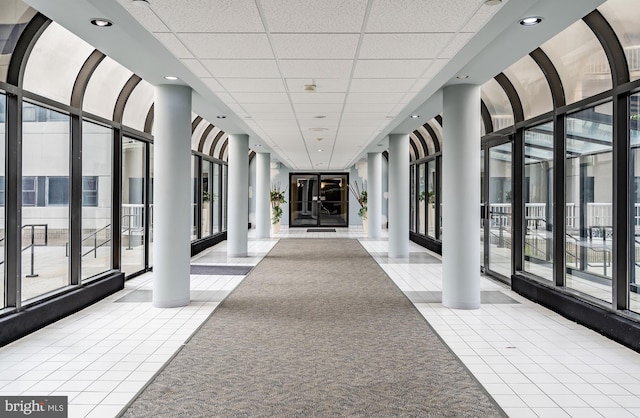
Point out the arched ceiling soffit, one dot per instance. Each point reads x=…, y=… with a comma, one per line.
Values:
x=54, y=64
x=436, y=132
x=497, y=102
x=426, y=140
x=208, y=141
x=16, y=17
x=414, y=142
x=623, y=16
x=581, y=62
x=123, y=97
x=611, y=45
x=531, y=87
x=138, y=106
x=208, y=133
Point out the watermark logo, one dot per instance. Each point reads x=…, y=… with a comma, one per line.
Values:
x=34, y=406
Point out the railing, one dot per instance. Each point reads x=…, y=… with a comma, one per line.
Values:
x=93, y=235
x=132, y=221
x=33, y=244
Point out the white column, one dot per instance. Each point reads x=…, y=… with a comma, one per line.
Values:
x=263, y=187
x=399, y=195
x=374, y=194
x=172, y=196
x=238, y=212
x=461, y=197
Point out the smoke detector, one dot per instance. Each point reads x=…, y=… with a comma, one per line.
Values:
x=310, y=87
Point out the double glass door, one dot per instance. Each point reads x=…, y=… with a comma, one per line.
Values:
x=497, y=219
x=319, y=200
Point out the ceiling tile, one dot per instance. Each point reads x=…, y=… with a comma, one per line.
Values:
x=273, y=116
x=254, y=97
x=393, y=85
x=363, y=116
x=420, y=15
x=374, y=97
x=209, y=15
x=359, y=122
x=316, y=68
x=317, y=108
x=482, y=16
x=212, y=84
x=435, y=68
x=403, y=45
x=174, y=45
x=195, y=67
x=242, y=68
x=420, y=84
x=390, y=68
x=369, y=107
x=304, y=116
x=324, y=85
x=145, y=16
x=314, y=15
x=266, y=107
x=228, y=45
x=456, y=44
x=315, y=46
x=252, y=84
x=317, y=97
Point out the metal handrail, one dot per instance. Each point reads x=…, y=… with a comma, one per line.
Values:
x=32, y=245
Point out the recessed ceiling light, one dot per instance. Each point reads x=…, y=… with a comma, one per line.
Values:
x=531, y=21
x=462, y=77
x=310, y=87
x=170, y=77
x=492, y=2
x=257, y=145
x=102, y=23
x=141, y=3
x=319, y=150
x=318, y=129
x=319, y=117
x=414, y=116
x=221, y=117
x=319, y=138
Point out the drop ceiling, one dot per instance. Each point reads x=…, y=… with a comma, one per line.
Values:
x=373, y=62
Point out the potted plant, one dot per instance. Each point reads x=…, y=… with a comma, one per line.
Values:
x=361, y=197
x=276, y=196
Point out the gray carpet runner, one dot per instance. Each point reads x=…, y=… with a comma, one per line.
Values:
x=316, y=329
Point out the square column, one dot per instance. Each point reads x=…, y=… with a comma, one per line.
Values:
x=461, y=197
x=172, y=196
x=238, y=200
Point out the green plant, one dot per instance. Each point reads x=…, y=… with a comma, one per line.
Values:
x=361, y=197
x=276, y=196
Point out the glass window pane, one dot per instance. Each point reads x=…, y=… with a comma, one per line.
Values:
x=580, y=61
x=414, y=196
x=431, y=198
x=15, y=17
x=194, y=194
x=215, y=198
x=138, y=105
x=498, y=104
x=224, y=194
x=588, y=195
x=500, y=208
x=207, y=198
x=3, y=108
x=97, y=178
x=133, y=201
x=623, y=16
x=104, y=87
x=531, y=85
x=421, y=200
x=538, y=201
x=45, y=164
x=54, y=63
x=634, y=276
x=150, y=217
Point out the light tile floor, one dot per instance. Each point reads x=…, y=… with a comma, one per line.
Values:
x=532, y=361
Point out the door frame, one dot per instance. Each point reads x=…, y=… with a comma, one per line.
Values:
x=319, y=175
x=485, y=213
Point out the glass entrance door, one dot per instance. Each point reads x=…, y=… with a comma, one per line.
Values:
x=498, y=209
x=319, y=200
